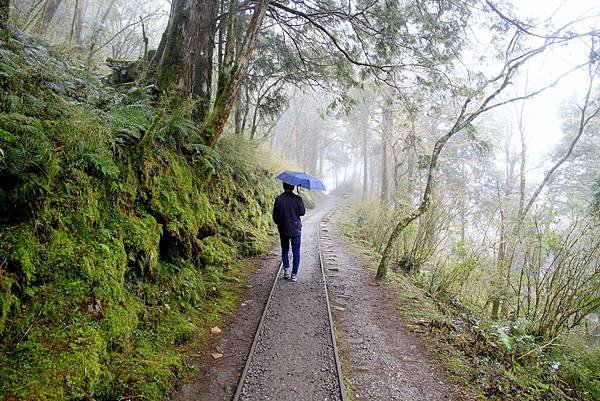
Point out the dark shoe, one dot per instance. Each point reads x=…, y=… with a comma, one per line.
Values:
x=286, y=274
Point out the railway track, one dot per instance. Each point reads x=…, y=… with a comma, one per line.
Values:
x=294, y=354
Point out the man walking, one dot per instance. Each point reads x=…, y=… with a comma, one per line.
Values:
x=286, y=214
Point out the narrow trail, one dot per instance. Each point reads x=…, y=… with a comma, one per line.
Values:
x=291, y=357
x=383, y=360
x=294, y=355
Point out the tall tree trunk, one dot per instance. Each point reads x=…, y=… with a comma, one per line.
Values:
x=501, y=257
x=365, y=189
x=154, y=62
x=239, y=38
x=255, y=117
x=49, y=11
x=386, y=167
x=246, y=108
x=385, y=172
x=229, y=53
x=4, y=12
x=212, y=128
x=238, y=114
x=145, y=39
x=202, y=79
x=186, y=61
x=79, y=34
x=73, y=22
x=80, y=8
x=373, y=180
x=222, y=28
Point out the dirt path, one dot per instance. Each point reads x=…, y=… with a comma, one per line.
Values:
x=294, y=359
x=384, y=361
x=218, y=378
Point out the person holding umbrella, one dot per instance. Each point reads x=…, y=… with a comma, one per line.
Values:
x=287, y=211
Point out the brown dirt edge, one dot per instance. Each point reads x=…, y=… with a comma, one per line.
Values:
x=404, y=302
x=212, y=379
x=457, y=350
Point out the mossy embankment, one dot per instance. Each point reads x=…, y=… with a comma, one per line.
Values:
x=119, y=231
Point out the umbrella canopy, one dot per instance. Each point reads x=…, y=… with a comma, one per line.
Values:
x=303, y=180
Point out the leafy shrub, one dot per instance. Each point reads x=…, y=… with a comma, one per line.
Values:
x=582, y=371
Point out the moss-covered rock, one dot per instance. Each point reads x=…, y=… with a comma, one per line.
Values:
x=112, y=248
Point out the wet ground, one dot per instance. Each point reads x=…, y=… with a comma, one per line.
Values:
x=294, y=359
x=382, y=360
x=218, y=378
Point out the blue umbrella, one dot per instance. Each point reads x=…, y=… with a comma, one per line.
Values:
x=302, y=180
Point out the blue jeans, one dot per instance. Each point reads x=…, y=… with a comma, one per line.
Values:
x=285, y=250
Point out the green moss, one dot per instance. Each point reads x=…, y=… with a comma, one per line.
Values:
x=215, y=252
x=208, y=131
x=113, y=257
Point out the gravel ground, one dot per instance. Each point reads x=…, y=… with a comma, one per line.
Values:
x=218, y=378
x=383, y=360
x=294, y=357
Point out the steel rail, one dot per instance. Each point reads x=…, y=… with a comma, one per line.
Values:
x=238, y=391
x=241, y=381
x=338, y=365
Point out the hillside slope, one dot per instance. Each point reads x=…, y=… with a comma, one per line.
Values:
x=117, y=231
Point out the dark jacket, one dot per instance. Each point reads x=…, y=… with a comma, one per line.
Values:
x=286, y=214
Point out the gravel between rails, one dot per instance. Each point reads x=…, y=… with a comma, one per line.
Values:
x=294, y=356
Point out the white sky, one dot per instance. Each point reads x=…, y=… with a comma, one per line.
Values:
x=542, y=121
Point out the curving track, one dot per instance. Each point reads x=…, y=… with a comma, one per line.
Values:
x=294, y=355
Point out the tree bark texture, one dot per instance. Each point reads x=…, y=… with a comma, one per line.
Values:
x=221, y=34
x=246, y=108
x=239, y=39
x=386, y=170
x=228, y=48
x=186, y=61
x=49, y=11
x=202, y=80
x=212, y=128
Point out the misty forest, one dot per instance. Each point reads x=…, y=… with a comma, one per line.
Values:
x=457, y=241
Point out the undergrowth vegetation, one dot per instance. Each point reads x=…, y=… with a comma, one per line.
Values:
x=119, y=231
x=444, y=300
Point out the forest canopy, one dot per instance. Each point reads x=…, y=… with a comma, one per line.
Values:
x=468, y=129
